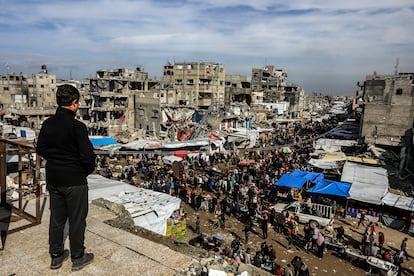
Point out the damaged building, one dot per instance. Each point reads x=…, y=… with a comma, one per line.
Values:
x=269, y=86
x=28, y=101
x=388, y=111
x=199, y=84
x=189, y=97
x=238, y=89
x=295, y=96
x=388, y=115
x=270, y=81
x=111, y=99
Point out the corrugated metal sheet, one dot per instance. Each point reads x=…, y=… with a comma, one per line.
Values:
x=369, y=184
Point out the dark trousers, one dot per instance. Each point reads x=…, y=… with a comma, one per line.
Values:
x=68, y=203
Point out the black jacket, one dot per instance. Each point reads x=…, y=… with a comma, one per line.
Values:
x=63, y=141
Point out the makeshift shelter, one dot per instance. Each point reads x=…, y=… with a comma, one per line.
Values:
x=399, y=201
x=309, y=176
x=297, y=179
x=369, y=184
x=149, y=209
x=102, y=140
x=329, y=187
x=170, y=159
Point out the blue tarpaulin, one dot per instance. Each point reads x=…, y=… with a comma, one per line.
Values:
x=310, y=176
x=101, y=141
x=297, y=179
x=291, y=181
x=329, y=187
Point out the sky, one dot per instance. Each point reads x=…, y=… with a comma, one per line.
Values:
x=326, y=46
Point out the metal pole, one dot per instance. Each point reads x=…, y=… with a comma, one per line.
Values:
x=3, y=168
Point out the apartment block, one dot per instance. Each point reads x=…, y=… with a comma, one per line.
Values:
x=388, y=112
x=28, y=101
x=270, y=81
x=148, y=112
x=295, y=96
x=13, y=91
x=198, y=84
x=111, y=99
x=238, y=89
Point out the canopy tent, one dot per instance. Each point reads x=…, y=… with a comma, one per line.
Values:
x=369, y=184
x=399, y=201
x=297, y=179
x=329, y=187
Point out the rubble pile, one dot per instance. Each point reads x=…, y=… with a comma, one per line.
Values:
x=204, y=261
x=220, y=266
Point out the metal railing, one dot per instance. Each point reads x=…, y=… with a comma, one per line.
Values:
x=23, y=211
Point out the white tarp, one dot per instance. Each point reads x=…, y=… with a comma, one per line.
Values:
x=198, y=142
x=148, y=209
x=333, y=145
x=369, y=184
x=399, y=201
x=170, y=159
x=326, y=164
x=143, y=144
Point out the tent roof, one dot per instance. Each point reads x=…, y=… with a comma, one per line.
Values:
x=369, y=184
x=102, y=140
x=291, y=181
x=399, y=201
x=149, y=209
x=170, y=159
x=329, y=187
x=297, y=179
x=309, y=176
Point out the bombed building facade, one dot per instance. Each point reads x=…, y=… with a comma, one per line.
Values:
x=238, y=89
x=270, y=81
x=28, y=101
x=120, y=100
x=388, y=115
x=196, y=83
x=110, y=100
x=388, y=108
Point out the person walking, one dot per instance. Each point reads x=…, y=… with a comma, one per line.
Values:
x=361, y=219
x=63, y=141
x=381, y=240
x=265, y=226
x=222, y=220
x=307, y=234
x=304, y=270
x=292, y=233
x=296, y=263
x=197, y=228
x=246, y=232
x=404, y=247
x=408, y=220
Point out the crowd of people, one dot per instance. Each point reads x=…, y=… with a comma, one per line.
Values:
x=218, y=183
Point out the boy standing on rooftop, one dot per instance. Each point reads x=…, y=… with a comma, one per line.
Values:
x=63, y=141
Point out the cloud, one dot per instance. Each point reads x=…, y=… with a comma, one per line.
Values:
x=313, y=40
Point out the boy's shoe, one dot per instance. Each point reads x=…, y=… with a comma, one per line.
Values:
x=79, y=263
x=57, y=261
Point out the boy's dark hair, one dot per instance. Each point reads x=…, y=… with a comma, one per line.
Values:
x=65, y=95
